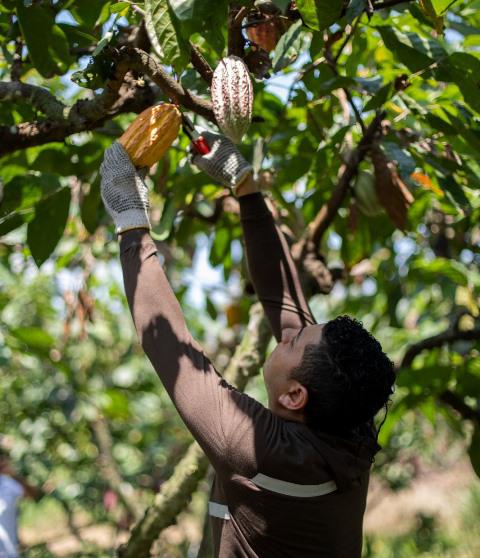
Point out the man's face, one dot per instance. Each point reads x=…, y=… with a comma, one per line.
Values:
x=284, y=358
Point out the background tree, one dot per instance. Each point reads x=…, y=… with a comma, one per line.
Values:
x=365, y=136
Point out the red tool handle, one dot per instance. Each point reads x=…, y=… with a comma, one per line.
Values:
x=201, y=145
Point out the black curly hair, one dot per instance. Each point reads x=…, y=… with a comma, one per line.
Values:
x=347, y=375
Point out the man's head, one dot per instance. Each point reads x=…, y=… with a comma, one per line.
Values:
x=332, y=376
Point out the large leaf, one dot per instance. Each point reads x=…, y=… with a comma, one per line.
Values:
x=463, y=69
x=164, y=30
x=474, y=451
x=90, y=209
x=428, y=9
x=287, y=47
x=440, y=6
x=87, y=12
x=415, y=51
x=319, y=14
x=455, y=271
x=163, y=229
x=48, y=46
x=46, y=228
x=20, y=195
x=34, y=338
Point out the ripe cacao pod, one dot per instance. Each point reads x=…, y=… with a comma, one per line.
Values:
x=392, y=192
x=264, y=34
x=232, y=96
x=150, y=135
x=366, y=195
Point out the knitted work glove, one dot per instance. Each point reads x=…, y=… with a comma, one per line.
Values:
x=224, y=163
x=123, y=190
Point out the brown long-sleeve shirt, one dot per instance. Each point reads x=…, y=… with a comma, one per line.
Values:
x=281, y=489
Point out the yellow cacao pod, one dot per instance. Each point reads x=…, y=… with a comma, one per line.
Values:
x=150, y=135
x=232, y=97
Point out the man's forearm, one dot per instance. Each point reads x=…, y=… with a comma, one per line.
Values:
x=271, y=266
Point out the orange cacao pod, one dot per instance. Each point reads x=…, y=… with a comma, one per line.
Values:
x=150, y=135
x=264, y=34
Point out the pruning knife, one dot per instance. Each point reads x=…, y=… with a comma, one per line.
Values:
x=198, y=141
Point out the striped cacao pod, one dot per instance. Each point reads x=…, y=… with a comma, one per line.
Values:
x=366, y=195
x=232, y=96
x=150, y=135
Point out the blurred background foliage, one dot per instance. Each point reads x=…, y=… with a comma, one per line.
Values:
x=80, y=405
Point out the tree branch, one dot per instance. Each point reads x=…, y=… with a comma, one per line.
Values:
x=328, y=211
x=236, y=42
x=389, y=4
x=447, y=397
x=121, y=94
x=457, y=403
x=200, y=64
x=39, y=97
x=347, y=39
x=448, y=336
x=135, y=58
x=177, y=490
x=110, y=471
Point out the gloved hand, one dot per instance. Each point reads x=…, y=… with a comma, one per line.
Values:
x=123, y=190
x=224, y=163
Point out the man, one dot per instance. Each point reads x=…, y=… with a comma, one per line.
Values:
x=291, y=480
x=12, y=488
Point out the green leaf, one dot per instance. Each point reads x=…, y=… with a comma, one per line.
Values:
x=46, y=228
x=380, y=97
x=412, y=50
x=433, y=379
x=287, y=47
x=119, y=7
x=282, y=5
x=90, y=208
x=474, y=451
x=87, y=12
x=406, y=163
x=23, y=192
x=47, y=44
x=220, y=247
x=76, y=37
x=463, y=69
x=319, y=14
x=455, y=271
x=164, y=227
x=13, y=221
x=212, y=311
x=163, y=26
x=429, y=10
x=440, y=6
x=355, y=8
x=35, y=338
x=183, y=9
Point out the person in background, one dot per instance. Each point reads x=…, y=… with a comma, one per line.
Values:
x=12, y=488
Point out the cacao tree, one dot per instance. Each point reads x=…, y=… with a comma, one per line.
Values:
x=365, y=137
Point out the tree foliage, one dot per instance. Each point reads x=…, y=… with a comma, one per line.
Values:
x=384, y=90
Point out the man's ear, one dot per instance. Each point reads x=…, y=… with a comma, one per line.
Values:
x=295, y=398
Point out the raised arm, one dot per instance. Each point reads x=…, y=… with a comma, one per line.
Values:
x=219, y=417
x=271, y=267
x=270, y=263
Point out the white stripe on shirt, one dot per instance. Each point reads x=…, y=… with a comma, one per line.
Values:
x=293, y=489
x=218, y=510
